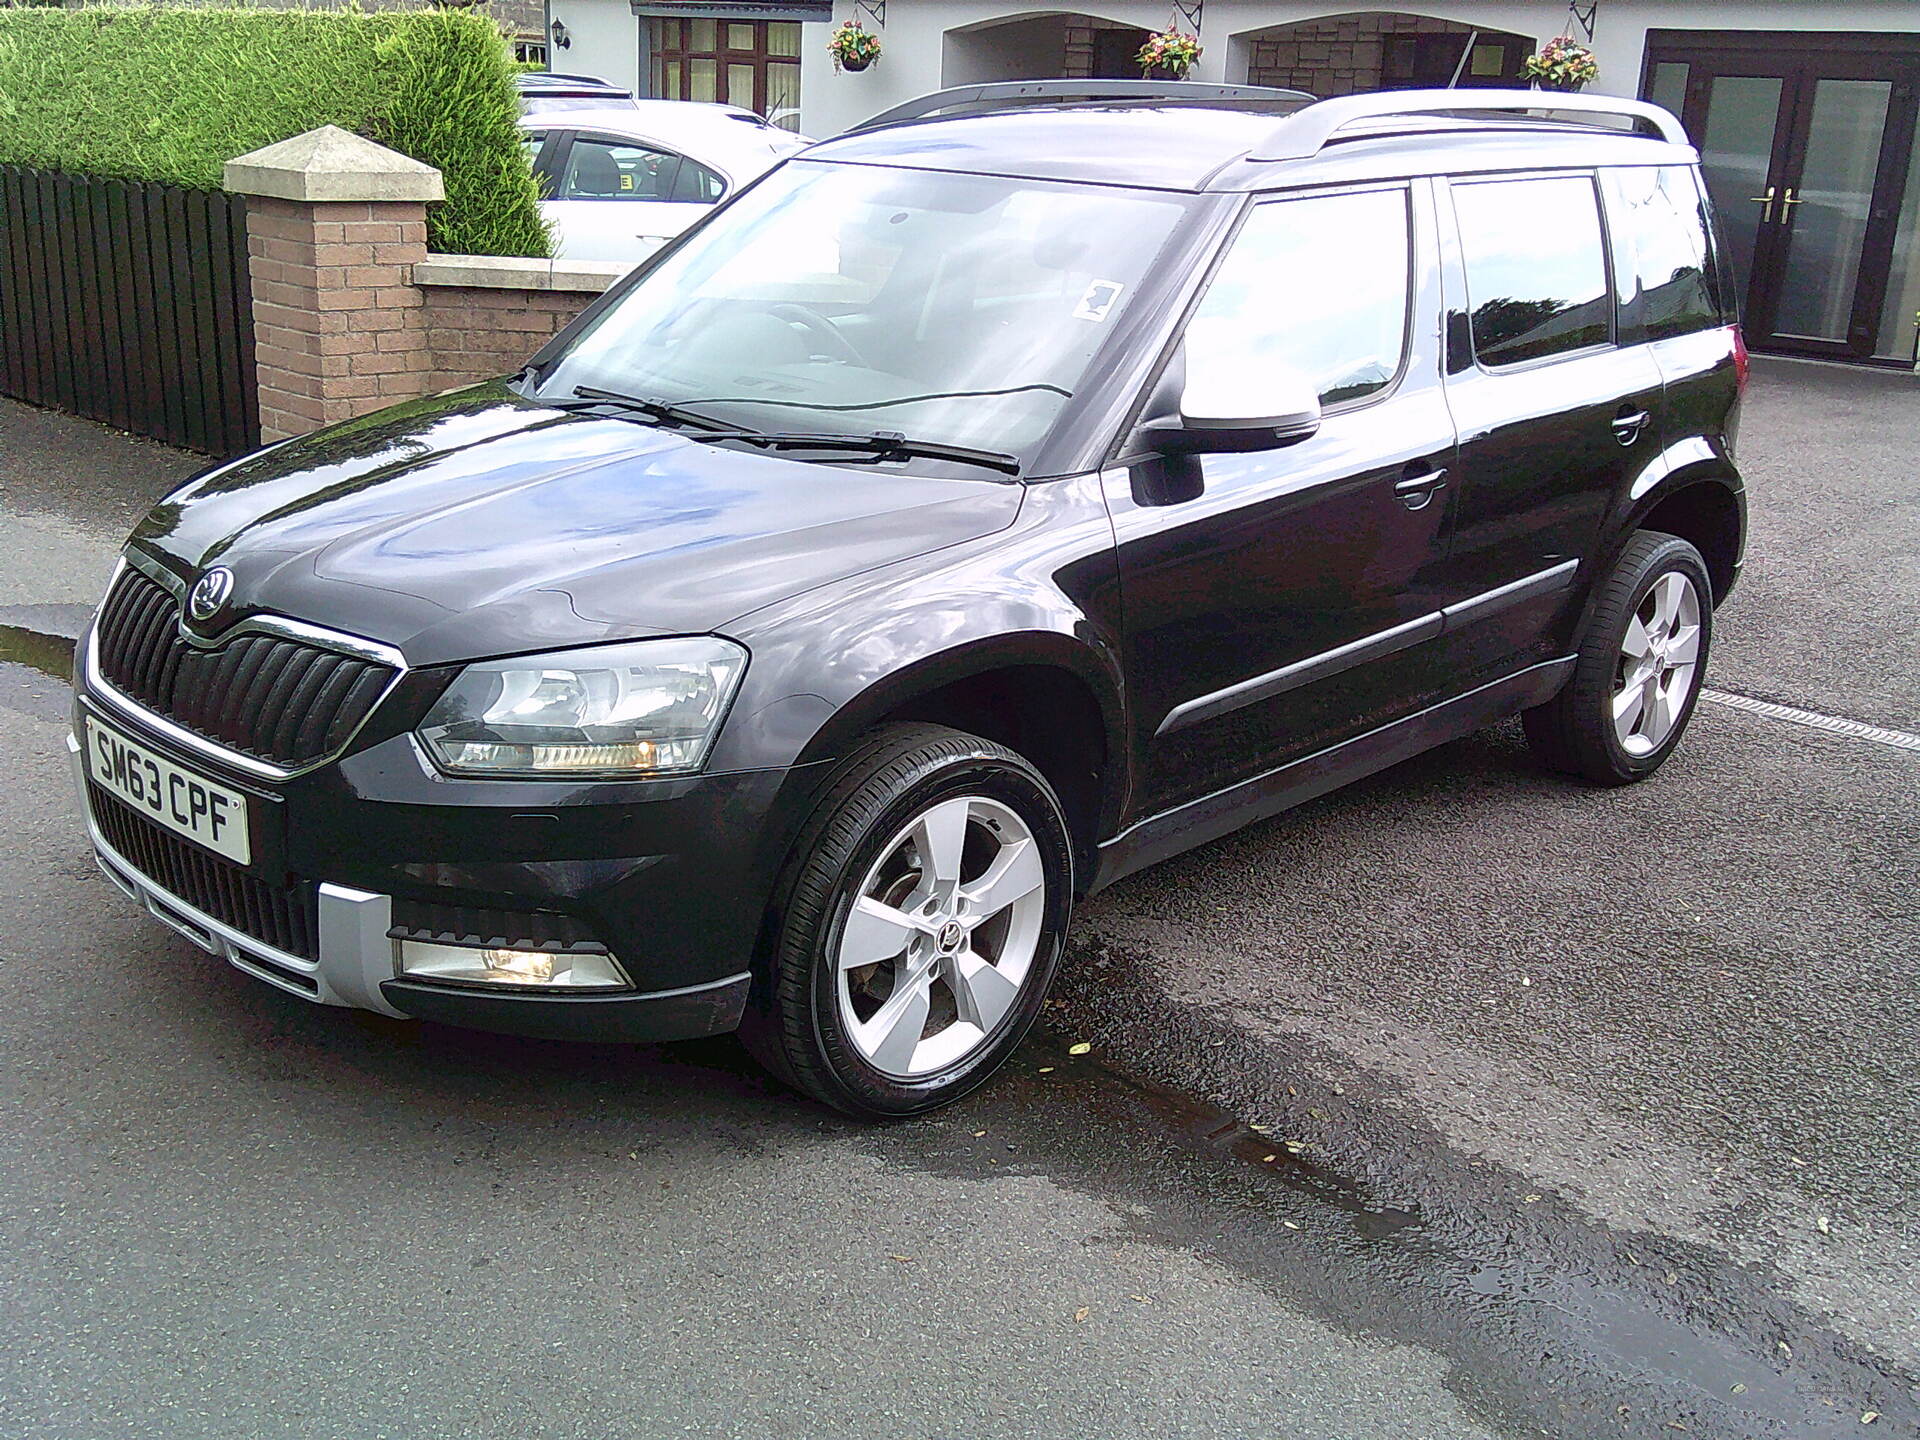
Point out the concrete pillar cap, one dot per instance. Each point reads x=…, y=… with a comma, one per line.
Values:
x=332, y=164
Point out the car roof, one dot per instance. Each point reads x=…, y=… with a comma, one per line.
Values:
x=547, y=80
x=1197, y=146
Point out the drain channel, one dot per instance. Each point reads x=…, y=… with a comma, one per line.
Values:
x=1813, y=720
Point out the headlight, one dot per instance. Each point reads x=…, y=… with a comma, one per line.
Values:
x=647, y=708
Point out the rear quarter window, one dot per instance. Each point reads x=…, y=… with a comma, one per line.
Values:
x=1663, y=250
x=1536, y=266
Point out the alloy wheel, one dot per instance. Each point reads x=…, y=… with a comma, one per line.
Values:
x=1659, y=665
x=940, y=937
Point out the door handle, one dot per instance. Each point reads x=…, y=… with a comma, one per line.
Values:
x=1786, y=205
x=1416, y=492
x=1766, y=215
x=1628, y=425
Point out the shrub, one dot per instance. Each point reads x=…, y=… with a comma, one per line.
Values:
x=151, y=93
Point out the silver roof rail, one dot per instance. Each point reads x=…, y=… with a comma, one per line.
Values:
x=1010, y=94
x=1302, y=136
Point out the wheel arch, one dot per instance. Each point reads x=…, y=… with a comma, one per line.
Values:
x=1709, y=513
x=1041, y=695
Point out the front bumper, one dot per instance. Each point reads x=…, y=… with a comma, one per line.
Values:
x=356, y=964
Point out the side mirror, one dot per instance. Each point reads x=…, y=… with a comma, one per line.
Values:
x=1223, y=414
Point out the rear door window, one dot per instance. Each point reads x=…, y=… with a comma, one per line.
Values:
x=1318, y=285
x=618, y=170
x=1663, y=251
x=1536, y=266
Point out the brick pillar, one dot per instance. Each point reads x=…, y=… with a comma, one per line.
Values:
x=335, y=225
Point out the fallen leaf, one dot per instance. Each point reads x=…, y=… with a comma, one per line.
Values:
x=1338, y=1090
x=1796, y=1160
x=1867, y=1417
x=1046, y=1069
x=1672, y=1279
x=1082, y=1313
x=1526, y=980
x=1531, y=1198
x=1739, y=1390
x=1785, y=1348
x=1823, y=1225
x=1141, y=1298
x=1290, y=1225
x=903, y=1259
x=1082, y=1048
x=1268, y=1159
x=1296, y=1146
x=978, y=1133
x=1292, y=1091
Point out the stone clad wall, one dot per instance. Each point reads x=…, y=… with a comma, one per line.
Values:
x=1335, y=57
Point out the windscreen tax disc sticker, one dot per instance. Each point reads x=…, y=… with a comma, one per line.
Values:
x=1098, y=302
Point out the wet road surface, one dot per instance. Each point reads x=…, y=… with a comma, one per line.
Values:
x=1405, y=1211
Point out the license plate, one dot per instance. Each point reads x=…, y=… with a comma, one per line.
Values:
x=208, y=814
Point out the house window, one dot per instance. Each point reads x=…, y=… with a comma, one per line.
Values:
x=1428, y=62
x=750, y=63
x=530, y=52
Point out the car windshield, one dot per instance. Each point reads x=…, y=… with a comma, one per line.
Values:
x=959, y=310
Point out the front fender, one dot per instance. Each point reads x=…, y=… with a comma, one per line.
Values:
x=831, y=663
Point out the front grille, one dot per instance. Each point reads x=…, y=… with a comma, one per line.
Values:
x=284, y=701
x=503, y=929
x=285, y=919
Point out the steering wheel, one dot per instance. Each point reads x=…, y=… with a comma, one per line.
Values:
x=835, y=345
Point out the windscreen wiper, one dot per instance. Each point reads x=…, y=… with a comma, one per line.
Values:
x=590, y=395
x=882, y=445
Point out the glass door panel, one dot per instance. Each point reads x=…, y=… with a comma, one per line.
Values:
x=1736, y=156
x=1900, y=315
x=1823, y=219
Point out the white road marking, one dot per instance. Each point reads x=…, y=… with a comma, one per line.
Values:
x=1813, y=720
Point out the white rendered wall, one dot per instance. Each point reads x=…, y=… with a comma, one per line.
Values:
x=606, y=41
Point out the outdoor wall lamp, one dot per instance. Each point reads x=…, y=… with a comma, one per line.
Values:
x=560, y=35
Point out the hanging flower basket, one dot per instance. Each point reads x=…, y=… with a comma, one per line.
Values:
x=853, y=46
x=1168, y=55
x=1562, y=64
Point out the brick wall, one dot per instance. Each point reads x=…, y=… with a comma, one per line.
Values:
x=473, y=333
x=337, y=322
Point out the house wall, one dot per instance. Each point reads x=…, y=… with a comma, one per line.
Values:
x=934, y=42
x=606, y=41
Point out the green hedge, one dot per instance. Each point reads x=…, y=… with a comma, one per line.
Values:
x=150, y=93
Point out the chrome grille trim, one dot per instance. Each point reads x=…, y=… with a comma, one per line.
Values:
x=89, y=678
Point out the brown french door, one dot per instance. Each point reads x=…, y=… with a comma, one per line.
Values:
x=1810, y=156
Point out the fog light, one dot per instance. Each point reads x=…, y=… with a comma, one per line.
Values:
x=533, y=969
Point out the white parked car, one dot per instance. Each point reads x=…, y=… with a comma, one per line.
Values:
x=617, y=184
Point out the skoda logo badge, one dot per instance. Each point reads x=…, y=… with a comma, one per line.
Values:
x=210, y=593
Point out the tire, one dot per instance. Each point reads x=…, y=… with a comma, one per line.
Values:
x=1622, y=713
x=916, y=996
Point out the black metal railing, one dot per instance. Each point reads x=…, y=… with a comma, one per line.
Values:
x=129, y=302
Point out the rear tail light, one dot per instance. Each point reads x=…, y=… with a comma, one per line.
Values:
x=1742, y=362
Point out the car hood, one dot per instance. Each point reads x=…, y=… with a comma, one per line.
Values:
x=479, y=523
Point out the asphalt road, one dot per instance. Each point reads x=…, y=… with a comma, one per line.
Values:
x=1578, y=1113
